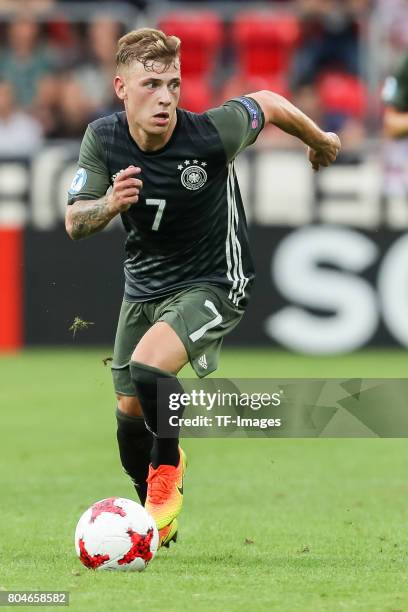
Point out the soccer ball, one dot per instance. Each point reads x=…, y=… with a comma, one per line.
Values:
x=116, y=534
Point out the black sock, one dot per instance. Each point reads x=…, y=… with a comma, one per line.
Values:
x=165, y=450
x=135, y=446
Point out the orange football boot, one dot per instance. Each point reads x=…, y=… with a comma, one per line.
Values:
x=165, y=491
x=168, y=534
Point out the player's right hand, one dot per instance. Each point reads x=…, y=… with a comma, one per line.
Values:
x=125, y=191
x=326, y=153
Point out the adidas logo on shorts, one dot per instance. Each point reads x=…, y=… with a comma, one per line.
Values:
x=203, y=362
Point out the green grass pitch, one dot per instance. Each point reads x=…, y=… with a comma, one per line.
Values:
x=311, y=525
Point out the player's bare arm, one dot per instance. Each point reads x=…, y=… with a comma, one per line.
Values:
x=323, y=146
x=87, y=217
x=395, y=123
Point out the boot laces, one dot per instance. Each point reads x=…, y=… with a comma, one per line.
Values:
x=160, y=483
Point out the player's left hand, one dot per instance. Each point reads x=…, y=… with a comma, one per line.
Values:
x=327, y=153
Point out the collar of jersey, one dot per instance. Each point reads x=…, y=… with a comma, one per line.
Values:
x=166, y=146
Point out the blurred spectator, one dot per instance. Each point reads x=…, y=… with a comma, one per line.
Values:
x=25, y=61
x=76, y=110
x=95, y=75
x=47, y=107
x=20, y=134
x=85, y=91
x=63, y=111
x=330, y=38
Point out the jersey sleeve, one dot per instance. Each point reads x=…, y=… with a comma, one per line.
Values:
x=91, y=181
x=238, y=123
x=395, y=91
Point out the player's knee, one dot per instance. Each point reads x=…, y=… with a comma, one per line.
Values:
x=149, y=356
x=161, y=348
x=129, y=405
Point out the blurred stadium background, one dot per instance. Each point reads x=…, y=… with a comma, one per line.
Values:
x=330, y=249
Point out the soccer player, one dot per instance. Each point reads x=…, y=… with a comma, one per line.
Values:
x=188, y=272
x=395, y=96
x=395, y=147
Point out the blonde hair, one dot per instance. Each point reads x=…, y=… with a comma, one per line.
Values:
x=149, y=47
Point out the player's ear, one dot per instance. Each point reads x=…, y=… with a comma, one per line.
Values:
x=120, y=87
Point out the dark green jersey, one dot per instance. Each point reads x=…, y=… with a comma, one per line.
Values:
x=395, y=92
x=188, y=226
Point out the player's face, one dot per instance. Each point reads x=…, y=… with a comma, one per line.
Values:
x=150, y=96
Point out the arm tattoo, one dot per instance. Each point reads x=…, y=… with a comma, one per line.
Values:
x=89, y=217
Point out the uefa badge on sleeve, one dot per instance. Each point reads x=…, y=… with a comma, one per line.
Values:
x=79, y=181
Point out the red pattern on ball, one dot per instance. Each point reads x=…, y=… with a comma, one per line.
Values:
x=140, y=547
x=106, y=505
x=91, y=561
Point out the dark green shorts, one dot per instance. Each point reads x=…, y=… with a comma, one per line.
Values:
x=200, y=316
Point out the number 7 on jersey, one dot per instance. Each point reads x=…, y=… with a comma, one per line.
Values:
x=161, y=206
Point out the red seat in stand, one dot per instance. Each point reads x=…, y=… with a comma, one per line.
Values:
x=342, y=93
x=201, y=34
x=265, y=41
x=196, y=94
